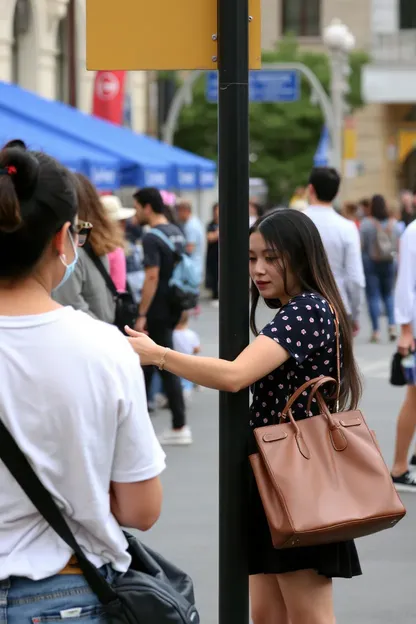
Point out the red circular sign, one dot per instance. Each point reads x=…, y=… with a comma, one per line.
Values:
x=107, y=86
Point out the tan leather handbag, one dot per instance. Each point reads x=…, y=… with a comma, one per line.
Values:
x=323, y=479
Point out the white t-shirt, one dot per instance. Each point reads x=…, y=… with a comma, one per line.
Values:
x=73, y=396
x=342, y=244
x=185, y=341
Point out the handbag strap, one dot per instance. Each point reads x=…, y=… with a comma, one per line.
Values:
x=164, y=238
x=102, y=270
x=18, y=465
x=318, y=381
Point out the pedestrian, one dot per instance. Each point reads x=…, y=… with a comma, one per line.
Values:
x=194, y=234
x=340, y=238
x=73, y=398
x=87, y=290
x=119, y=214
x=156, y=315
x=350, y=212
x=408, y=213
x=255, y=211
x=290, y=271
x=186, y=340
x=380, y=244
x=405, y=310
x=212, y=264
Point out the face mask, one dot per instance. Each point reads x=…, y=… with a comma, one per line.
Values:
x=69, y=268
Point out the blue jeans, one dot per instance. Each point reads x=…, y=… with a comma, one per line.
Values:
x=50, y=600
x=379, y=288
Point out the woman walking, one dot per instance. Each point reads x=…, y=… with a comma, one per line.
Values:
x=380, y=242
x=73, y=398
x=211, y=279
x=87, y=289
x=290, y=270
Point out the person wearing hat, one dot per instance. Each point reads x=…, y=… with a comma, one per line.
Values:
x=117, y=258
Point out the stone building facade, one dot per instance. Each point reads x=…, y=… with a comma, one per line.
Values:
x=386, y=125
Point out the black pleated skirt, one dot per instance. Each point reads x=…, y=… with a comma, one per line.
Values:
x=330, y=560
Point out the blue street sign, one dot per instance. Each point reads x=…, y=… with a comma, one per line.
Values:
x=277, y=85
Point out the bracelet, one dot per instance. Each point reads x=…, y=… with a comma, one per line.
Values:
x=161, y=365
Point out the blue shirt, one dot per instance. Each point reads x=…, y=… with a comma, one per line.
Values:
x=194, y=234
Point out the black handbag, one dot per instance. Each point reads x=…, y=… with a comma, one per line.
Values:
x=153, y=592
x=397, y=377
x=126, y=308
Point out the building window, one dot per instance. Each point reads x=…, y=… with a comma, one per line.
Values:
x=407, y=14
x=301, y=18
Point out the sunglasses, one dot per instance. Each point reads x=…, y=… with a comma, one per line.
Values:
x=83, y=230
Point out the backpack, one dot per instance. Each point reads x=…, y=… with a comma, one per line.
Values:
x=185, y=280
x=385, y=244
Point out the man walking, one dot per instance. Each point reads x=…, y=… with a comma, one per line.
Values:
x=194, y=234
x=340, y=238
x=156, y=315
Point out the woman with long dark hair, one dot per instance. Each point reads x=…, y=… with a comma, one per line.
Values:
x=380, y=243
x=289, y=269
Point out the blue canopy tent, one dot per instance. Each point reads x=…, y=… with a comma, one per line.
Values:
x=102, y=169
x=322, y=154
x=186, y=170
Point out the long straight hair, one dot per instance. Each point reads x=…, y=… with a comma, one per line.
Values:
x=296, y=239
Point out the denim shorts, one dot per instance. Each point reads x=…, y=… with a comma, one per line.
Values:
x=62, y=598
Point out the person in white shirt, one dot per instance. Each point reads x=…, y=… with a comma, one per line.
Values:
x=186, y=340
x=340, y=238
x=73, y=397
x=405, y=311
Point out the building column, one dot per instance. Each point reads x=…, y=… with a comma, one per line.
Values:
x=47, y=85
x=5, y=58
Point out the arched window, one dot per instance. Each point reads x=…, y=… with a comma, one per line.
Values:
x=22, y=24
x=66, y=60
x=301, y=18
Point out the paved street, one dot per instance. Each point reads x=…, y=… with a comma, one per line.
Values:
x=187, y=531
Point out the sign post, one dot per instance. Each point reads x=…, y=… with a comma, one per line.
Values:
x=233, y=170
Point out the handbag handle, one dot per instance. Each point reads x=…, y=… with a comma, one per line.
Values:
x=313, y=392
x=337, y=436
x=317, y=382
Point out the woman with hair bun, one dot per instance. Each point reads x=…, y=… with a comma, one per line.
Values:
x=73, y=398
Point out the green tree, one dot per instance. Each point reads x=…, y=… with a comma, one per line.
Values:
x=283, y=137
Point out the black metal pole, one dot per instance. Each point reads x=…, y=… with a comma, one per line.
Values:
x=233, y=139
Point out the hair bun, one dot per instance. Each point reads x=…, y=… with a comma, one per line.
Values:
x=25, y=170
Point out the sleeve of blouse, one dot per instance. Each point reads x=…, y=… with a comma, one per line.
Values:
x=301, y=327
x=405, y=296
x=118, y=269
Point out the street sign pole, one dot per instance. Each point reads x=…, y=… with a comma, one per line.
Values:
x=233, y=139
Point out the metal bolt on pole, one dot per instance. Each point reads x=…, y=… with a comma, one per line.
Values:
x=233, y=140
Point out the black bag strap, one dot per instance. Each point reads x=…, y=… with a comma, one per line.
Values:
x=18, y=465
x=101, y=268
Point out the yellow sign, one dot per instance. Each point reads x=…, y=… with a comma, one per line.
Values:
x=350, y=139
x=407, y=144
x=159, y=34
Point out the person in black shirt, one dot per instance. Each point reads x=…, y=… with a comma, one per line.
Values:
x=156, y=315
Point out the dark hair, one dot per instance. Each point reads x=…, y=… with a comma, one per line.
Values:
x=296, y=238
x=379, y=208
x=37, y=197
x=16, y=143
x=326, y=182
x=365, y=202
x=152, y=197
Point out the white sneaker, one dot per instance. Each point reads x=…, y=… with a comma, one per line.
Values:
x=215, y=303
x=161, y=401
x=176, y=437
